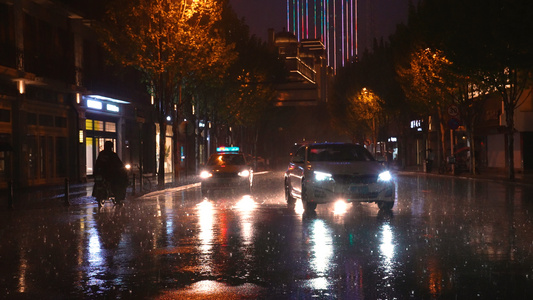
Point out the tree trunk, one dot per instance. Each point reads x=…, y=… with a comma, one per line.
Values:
x=509, y=117
x=473, y=157
x=442, y=138
x=176, y=153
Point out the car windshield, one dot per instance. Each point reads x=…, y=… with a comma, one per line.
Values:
x=339, y=152
x=226, y=159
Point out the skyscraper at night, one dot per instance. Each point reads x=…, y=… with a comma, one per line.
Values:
x=333, y=22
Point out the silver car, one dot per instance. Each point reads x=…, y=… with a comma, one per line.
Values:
x=327, y=172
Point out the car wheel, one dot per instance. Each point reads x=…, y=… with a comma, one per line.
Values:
x=290, y=199
x=385, y=205
x=308, y=206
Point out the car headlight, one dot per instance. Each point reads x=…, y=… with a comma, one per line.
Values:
x=205, y=174
x=321, y=176
x=244, y=173
x=385, y=176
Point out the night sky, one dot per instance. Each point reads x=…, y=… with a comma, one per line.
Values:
x=260, y=15
x=378, y=18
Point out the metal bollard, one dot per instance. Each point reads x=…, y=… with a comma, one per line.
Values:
x=10, y=196
x=67, y=192
x=133, y=185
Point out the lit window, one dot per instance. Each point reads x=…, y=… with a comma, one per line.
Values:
x=110, y=127
x=98, y=125
x=112, y=107
x=89, y=124
x=94, y=104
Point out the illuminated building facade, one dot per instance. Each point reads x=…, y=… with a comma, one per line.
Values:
x=333, y=22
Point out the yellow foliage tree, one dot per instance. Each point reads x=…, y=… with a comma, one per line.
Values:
x=166, y=40
x=364, y=111
x=426, y=83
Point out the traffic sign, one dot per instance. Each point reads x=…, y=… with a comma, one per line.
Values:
x=454, y=123
x=453, y=110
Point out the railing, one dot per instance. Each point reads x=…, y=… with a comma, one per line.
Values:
x=295, y=65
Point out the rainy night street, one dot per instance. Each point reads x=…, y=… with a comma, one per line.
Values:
x=445, y=238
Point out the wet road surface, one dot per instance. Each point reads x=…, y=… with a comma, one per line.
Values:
x=446, y=238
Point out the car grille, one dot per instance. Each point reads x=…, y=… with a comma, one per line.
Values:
x=225, y=175
x=364, y=195
x=355, y=179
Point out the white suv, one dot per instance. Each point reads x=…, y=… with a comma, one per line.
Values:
x=327, y=172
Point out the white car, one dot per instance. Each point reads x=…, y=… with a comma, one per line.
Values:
x=328, y=172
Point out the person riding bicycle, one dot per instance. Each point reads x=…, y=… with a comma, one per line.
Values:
x=110, y=168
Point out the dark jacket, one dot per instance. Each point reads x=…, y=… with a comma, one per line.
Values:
x=111, y=168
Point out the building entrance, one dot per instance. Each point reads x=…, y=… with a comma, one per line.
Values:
x=98, y=132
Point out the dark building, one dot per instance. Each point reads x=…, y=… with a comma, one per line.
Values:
x=60, y=99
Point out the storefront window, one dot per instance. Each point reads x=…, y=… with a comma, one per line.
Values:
x=93, y=146
x=89, y=124
x=98, y=125
x=168, y=149
x=110, y=127
x=89, y=154
x=97, y=133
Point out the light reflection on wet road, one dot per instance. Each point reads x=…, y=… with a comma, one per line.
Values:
x=445, y=238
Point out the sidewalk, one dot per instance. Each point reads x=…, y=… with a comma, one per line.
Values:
x=78, y=193
x=490, y=174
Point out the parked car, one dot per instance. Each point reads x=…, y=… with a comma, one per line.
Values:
x=327, y=172
x=227, y=169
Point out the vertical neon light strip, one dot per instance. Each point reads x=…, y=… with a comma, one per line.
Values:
x=343, y=42
x=293, y=19
x=348, y=29
x=322, y=21
x=297, y=18
x=323, y=17
x=356, y=28
x=288, y=17
x=335, y=39
x=302, y=20
x=315, y=18
x=328, y=44
x=352, y=25
x=306, y=19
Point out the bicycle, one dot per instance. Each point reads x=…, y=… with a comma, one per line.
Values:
x=146, y=184
x=103, y=192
